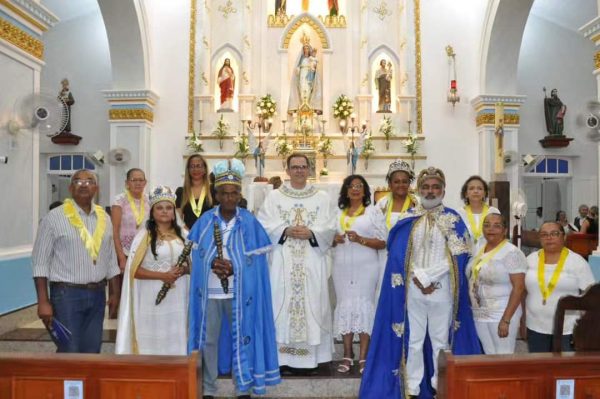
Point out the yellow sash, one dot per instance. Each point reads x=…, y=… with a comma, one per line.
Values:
x=91, y=242
x=347, y=224
x=140, y=253
x=390, y=206
x=476, y=228
x=197, y=204
x=479, y=261
x=547, y=289
x=138, y=213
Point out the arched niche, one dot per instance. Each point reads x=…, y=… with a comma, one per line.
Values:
x=227, y=51
x=125, y=23
x=307, y=21
x=383, y=53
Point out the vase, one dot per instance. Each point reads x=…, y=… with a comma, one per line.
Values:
x=387, y=143
x=325, y=162
x=366, y=163
x=412, y=161
x=221, y=144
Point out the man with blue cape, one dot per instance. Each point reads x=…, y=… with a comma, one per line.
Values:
x=231, y=316
x=424, y=303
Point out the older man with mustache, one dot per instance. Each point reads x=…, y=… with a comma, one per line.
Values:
x=424, y=302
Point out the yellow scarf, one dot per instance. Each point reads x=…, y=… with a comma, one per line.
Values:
x=478, y=262
x=390, y=207
x=138, y=213
x=476, y=228
x=197, y=204
x=347, y=224
x=547, y=289
x=91, y=242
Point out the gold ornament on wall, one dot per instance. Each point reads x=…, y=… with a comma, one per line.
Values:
x=382, y=10
x=21, y=39
x=227, y=9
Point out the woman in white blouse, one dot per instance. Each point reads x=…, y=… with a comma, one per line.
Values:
x=474, y=193
x=553, y=272
x=496, y=286
x=361, y=233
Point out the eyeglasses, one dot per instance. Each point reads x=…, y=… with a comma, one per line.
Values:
x=81, y=183
x=137, y=180
x=554, y=234
x=299, y=167
x=356, y=186
x=198, y=166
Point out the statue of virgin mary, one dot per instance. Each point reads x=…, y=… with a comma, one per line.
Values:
x=306, y=87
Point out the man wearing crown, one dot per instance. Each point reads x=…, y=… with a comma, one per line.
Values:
x=231, y=316
x=299, y=221
x=424, y=302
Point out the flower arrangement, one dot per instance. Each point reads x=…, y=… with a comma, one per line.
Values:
x=325, y=148
x=266, y=107
x=194, y=143
x=368, y=149
x=221, y=131
x=283, y=147
x=411, y=144
x=324, y=172
x=387, y=129
x=343, y=107
x=242, y=144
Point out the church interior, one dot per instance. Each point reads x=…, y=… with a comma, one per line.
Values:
x=465, y=86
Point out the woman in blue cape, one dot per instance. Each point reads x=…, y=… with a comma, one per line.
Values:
x=385, y=374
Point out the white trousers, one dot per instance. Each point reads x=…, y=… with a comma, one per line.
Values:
x=490, y=341
x=426, y=315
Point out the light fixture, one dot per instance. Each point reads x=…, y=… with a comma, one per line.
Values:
x=453, y=96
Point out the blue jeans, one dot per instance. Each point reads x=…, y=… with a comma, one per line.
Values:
x=81, y=310
x=539, y=342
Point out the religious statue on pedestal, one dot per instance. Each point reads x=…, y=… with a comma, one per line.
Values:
x=226, y=81
x=306, y=87
x=383, y=83
x=554, y=111
x=67, y=98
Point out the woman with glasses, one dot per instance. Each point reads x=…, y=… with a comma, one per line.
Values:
x=129, y=211
x=144, y=327
x=361, y=233
x=552, y=272
x=474, y=193
x=194, y=198
x=496, y=286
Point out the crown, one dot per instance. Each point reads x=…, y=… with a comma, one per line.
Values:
x=229, y=172
x=431, y=172
x=400, y=166
x=305, y=39
x=162, y=193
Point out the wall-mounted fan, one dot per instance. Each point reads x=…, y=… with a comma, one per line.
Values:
x=590, y=120
x=118, y=156
x=47, y=113
x=510, y=158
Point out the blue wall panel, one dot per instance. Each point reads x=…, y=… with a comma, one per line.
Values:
x=16, y=284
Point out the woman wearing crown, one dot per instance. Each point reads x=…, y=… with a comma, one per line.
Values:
x=144, y=327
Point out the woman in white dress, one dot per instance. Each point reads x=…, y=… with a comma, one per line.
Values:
x=496, y=286
x=361, y=233
x=552, y=272
x=474, y=193
x=144, y=327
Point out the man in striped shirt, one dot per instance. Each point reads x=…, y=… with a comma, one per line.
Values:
x=74, y=255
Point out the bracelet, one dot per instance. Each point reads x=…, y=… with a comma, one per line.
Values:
x=505, y=321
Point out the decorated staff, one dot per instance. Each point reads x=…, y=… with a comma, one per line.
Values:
x=181, y=262
x=219, y=244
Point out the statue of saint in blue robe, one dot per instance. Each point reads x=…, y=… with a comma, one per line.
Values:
x=247, y=347
x=384, y=375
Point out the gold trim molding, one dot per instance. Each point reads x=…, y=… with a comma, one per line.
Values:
x=333, y=21
x=192, y=67
x=21, y=39
x=310, y=22
x=278, y=20
x=490, y=119
x=597, y=60
x=131, y=114
x=418, y=77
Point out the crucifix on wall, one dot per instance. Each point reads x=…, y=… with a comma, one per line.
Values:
x=499, y=138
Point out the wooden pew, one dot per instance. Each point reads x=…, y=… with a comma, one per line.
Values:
x=583, y=244
x=525, y=376
x=42, y=375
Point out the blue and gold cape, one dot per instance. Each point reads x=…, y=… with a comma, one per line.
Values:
x=384, y=375
x=247, y=345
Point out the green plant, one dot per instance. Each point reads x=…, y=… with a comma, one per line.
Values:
x=221, y=130
x=387, y=129
x=242, y=143
x=194, y=143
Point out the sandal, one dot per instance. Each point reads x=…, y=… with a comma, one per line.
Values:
x=345, y=367
x=361, y=365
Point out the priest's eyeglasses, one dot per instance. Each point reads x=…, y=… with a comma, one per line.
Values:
x=553, y=234
x=299, y=167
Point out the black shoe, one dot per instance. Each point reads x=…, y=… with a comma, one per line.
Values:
x=244, y=397
x=208, y=397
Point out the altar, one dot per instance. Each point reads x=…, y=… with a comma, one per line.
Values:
x=342, y=85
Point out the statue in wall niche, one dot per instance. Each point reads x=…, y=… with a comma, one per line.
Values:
x=306, y=83
x=383, y=84
x=226, y=81
x=554, y=111
x=333, y=7
x=280, y=7
x=66, y=97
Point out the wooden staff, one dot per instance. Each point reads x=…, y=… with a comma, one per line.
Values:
x=219, y=243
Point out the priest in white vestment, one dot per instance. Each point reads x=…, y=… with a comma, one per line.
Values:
x=299, y=221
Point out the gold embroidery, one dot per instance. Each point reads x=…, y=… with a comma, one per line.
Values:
x=398, y=329
x=294, y=351
x=397, y=280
